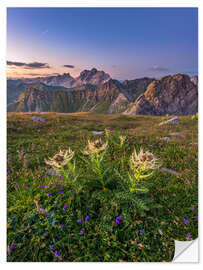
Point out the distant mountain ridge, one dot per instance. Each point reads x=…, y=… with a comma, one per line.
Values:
x=93, y=77
x=173, y=95
x=110, y=97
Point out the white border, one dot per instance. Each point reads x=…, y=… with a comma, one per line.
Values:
x=79, y=3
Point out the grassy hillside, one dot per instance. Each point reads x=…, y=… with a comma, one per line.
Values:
x=142, y=233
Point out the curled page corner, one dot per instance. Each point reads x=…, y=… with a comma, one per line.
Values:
x=186, y=251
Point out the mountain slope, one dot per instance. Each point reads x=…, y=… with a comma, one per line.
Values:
x=173, y=95
x=101, y=99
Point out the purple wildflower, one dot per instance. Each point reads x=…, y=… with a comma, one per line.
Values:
x=12, y=246
x=119, y=218
x=62, y=187
x=65, y=207
x=9, y=171
x=57, y=253
x=52, y=246
x=189, y=236
x=82, y=231
x=63, y=226
x=185, y=220
x=25, y=186
x=73, y=177
x=49, y=194
x=117, y=221
x=42, y=186
x=17, y=185
x=56, y=185
x=79, y=220
x=60, y=177
x=196, y=217
x=193, y=209
x=141, y=231
x=61, y=191
x=87, y=218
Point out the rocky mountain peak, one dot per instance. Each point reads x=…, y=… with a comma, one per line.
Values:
x=173, y=95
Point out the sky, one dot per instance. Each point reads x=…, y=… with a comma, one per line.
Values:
x=127, y=43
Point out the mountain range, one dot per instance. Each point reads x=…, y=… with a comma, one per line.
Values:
x=95, y=91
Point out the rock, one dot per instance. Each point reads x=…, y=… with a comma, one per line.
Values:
x=165, y=139
x=173, y=95
x=194, y=143
x=52, y=172
x=97, y=132
x=170, y=171
x=177, y=134
x=172, y=121
x=38, y=118
x=194, y=79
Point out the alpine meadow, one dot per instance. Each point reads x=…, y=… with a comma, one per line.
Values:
x=102, y=133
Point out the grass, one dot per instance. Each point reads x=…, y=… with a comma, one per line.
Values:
x=174, y=197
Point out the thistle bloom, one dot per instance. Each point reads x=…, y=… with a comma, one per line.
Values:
x=65, y=207
x=61, y=159
x=57, y=253
x=79, y=220
x=141, y=231
x=95, y=147
x=87, y=218
x=143, y=160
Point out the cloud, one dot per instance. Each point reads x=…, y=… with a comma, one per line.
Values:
x=157, y=68
x=42, y=74
x=18, y=64
x=32, y=65
x=68, y=66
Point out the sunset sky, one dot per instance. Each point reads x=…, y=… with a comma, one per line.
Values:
x=127, y=43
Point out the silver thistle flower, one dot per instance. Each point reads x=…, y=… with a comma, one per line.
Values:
x=143, y=160
x=95, y=147
x=61, y=159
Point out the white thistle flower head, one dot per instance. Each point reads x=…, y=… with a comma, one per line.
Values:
x=95, y=147
x=143, y=160
x=61, y=159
